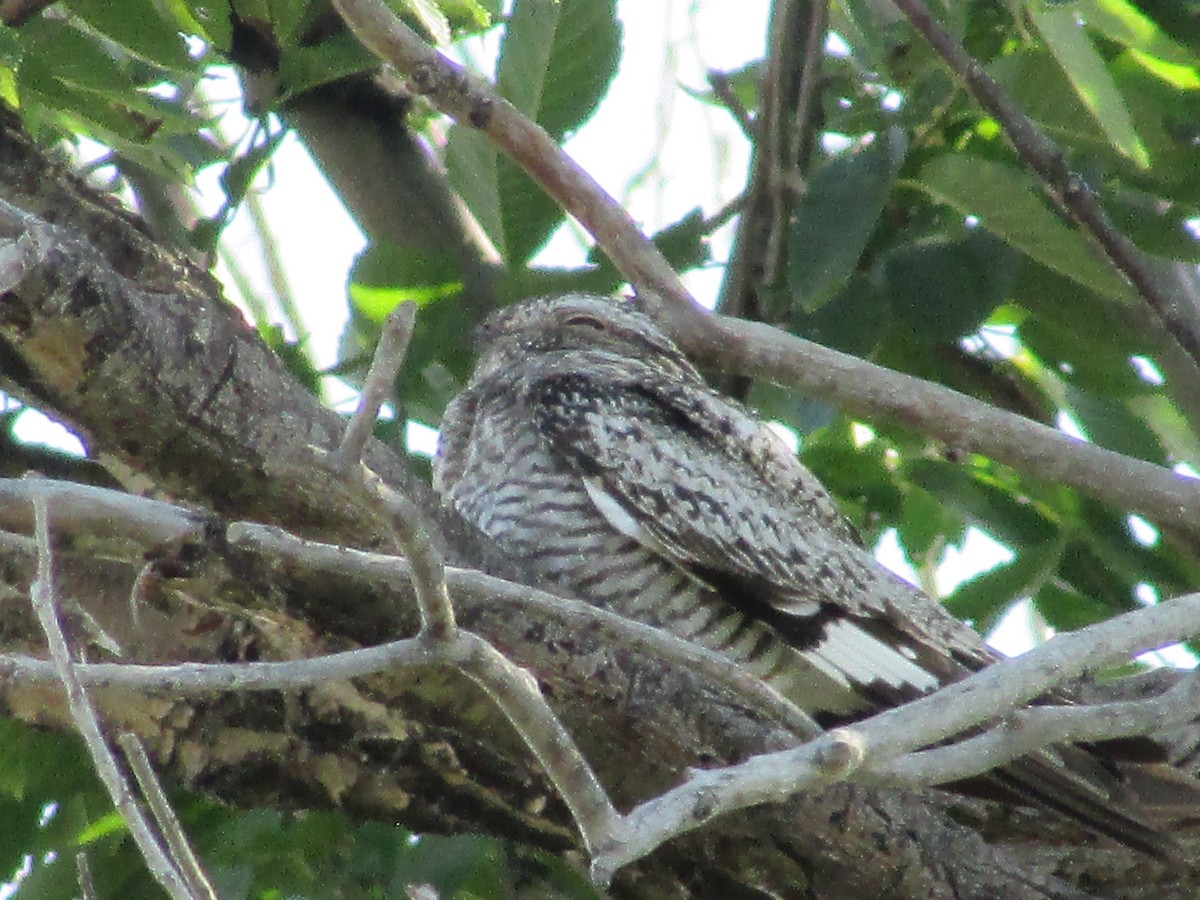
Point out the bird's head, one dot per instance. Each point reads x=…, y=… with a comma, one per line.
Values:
x=589, y=326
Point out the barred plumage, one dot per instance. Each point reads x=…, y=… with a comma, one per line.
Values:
x=589, y=447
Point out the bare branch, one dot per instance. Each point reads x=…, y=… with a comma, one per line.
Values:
x=407, y=521
x=1050, y=163
x=722, y=87
x=961, y=421
x=428, y=570
x=886, y=737
x=81, y=510
x=1030, y=729
x=515, y=691
x=168, y=823
x=45, y=604
x=385, y=366
x=83, y=875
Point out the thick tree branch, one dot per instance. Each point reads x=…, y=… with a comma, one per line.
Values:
x=621, y=687
x=878, y=749
x=129, y=523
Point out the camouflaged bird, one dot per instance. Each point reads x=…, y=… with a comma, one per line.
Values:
x=590, y=448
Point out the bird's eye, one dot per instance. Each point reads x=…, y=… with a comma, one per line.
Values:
x=586, y=322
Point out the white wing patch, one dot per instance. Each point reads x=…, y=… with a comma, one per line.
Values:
x=864, y=658
x=623, y=521
x=847, y=654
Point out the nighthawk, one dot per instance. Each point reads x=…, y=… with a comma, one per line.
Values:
x=591, y=449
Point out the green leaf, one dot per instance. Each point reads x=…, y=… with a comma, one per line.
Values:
x=1013, y=520
x=1110, y=424
x=139, y=27
x=1007, y=204
x=853, y=324
x=385, y=275
x=685, y=243
x=925, y=524
x=1124, y=23
x=471, y=163
x=432, y=19
x=15, y=749
x=213, y=18
x=832, y=223
x=1066, y=609
x=78, y=59
x=942, y=289
x=1038, y=85
x=556, y=62
x=1085, y=360
x=470, y=14
x=303, y=68
x=1157, y=225
x=743, y=83
x=1093, y=84
x=558, y=59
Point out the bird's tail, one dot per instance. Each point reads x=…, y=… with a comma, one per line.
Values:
x=1136, y=804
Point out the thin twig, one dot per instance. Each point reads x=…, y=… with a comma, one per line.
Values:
x=1050, y=163
x=168, y=823
x=810, y=75
x=515, y=691
x=722, y=88
x=428, y=570
x=45, y=603
x=1027, y=730
x=385, y=366
x=83, y=875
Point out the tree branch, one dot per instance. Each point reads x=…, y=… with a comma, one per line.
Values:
x=1030, y=729
x=129, y=523
x=884, y=739
x=165, y=818
x=473, y=101
x=1050, y=163
x=873, y=750
x=45, y=603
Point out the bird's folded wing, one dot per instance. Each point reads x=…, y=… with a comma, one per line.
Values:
x=656, y=466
